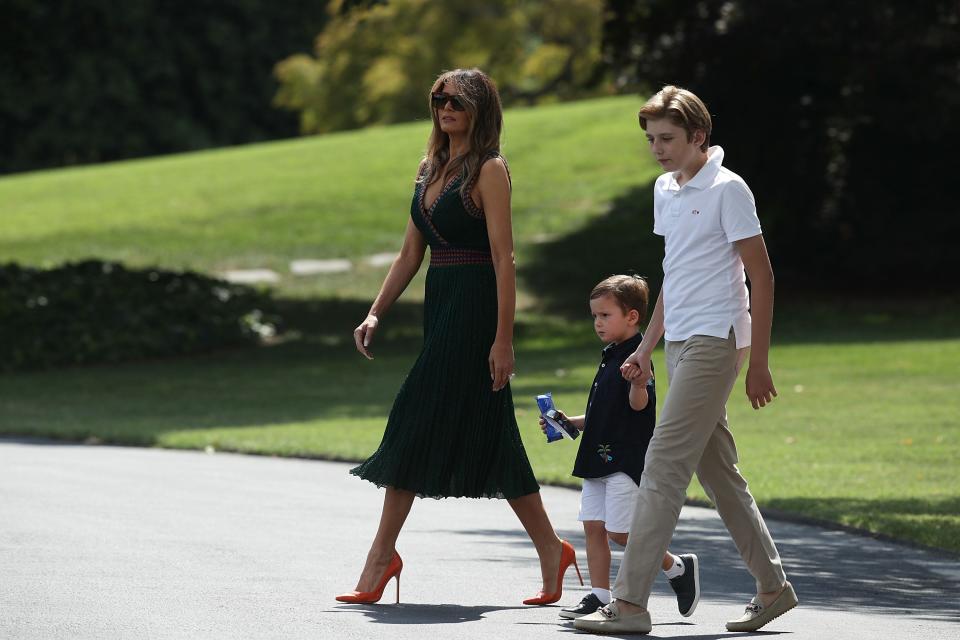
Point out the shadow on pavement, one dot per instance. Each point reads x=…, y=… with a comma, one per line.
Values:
x=653, y=634
x=564, y=269
x=453, y=614
x=832, y=570
x=422, y=613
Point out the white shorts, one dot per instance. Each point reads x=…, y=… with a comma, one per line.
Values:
x=610, y=499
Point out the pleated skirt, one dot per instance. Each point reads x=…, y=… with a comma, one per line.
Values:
x=448, y=434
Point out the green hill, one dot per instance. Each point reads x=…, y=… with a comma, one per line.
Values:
x=864, y=432
x=344, y=195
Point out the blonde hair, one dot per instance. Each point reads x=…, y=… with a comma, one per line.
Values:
x=681, y=107
x=630, y=292
x=482, y=101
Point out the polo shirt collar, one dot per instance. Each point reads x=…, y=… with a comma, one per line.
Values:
x=707, y=173
x=626, y=347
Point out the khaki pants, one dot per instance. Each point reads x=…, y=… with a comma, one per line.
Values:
x=692, y=435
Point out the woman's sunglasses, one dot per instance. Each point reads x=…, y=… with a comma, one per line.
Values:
x=438, y=100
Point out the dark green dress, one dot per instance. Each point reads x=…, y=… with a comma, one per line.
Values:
x=449, y=434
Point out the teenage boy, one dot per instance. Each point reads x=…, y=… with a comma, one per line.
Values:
x=712, y=236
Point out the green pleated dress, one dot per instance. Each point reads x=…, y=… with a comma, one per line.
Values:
x=449, y=434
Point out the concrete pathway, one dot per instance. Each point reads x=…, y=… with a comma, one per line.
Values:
x=110, y=542
x=305, y=267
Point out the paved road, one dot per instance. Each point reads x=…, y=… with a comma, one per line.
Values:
x=110, y=542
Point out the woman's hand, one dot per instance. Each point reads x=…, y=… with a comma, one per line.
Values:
x=501, y=364
x=637, y=368
x=363, y=335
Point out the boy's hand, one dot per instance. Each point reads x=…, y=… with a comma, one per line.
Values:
x=543, y=424
x=760, y=389
x=543, y=421
x=637, y=368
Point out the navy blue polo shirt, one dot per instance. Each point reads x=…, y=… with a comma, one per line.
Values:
x=615, y=437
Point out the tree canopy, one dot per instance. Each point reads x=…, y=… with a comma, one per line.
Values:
x=841, y=116
x=101, y=80
x=374, y=62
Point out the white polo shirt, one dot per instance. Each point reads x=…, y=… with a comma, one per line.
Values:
x=704, y=284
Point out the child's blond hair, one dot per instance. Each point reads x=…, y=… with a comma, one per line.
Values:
x=630, y=292
x=681, y=107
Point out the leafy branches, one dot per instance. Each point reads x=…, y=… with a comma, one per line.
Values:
x=374, y=62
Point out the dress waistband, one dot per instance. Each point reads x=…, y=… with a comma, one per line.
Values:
x=447, y=256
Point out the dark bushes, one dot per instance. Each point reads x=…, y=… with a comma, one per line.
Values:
x=93, y=311
x=841, y=119
x=101, y=80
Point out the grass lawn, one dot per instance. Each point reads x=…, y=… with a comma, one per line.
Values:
x=865, y=432
x=343, y=195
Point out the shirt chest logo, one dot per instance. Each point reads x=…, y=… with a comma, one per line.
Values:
x=605, y=452
x=695, y=212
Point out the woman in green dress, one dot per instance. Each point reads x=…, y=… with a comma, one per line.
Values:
x=452, y=430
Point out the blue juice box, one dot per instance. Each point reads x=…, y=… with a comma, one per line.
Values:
x=558, y=427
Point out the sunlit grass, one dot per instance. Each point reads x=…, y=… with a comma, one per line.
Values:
x=865, y=431
x=864, y=434
x=344, y=195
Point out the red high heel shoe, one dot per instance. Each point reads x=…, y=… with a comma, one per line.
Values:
x=567, y=556
x=370, y=597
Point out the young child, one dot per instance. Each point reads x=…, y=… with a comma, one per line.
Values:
x=616, y=428
x=712, y=236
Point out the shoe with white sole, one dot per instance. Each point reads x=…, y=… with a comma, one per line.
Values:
x=687, y=585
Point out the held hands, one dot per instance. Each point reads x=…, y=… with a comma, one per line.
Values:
x=363, y=335
x=637, y=368
x=501, y=364
x=760, y=389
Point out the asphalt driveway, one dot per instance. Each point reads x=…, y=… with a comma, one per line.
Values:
x=113, y=542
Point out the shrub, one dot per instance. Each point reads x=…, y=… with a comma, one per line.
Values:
x=835, y=118
x=94, y=311
x=103, y=80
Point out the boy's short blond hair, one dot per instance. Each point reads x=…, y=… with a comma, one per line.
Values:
x=681, y=107
x=630, y=292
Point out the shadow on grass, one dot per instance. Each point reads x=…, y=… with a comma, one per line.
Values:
x=330, y=322
x=316, y=374
x=562, y=272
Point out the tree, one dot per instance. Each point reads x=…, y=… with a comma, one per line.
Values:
x=103, y=80
x=374, y=62
x=839, y=115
